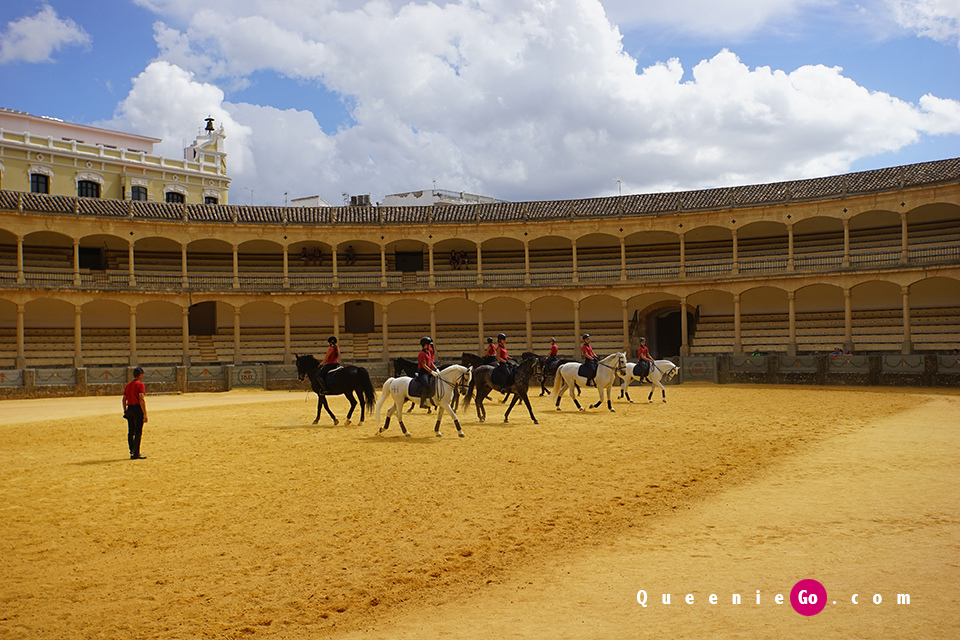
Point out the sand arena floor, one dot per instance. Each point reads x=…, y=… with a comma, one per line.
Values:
x=248, y=521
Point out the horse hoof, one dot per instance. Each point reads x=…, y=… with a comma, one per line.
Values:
x=439, y=435
x=347, y=423
x=461, y=434
x=408, y=434
x=535, y=422
x=316, y=421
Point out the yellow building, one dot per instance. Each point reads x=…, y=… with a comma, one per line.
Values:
x=50, y=156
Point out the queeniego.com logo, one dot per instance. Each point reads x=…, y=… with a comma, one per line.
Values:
x=807, y=597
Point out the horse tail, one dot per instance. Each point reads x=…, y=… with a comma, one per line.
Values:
x=467, y=398
x=383, y=396
x=367, y=395
x=557, y=381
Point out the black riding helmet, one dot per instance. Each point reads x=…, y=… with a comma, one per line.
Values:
x=332, y=339
x=425, y=340
x=585, y=336
x=501, y=336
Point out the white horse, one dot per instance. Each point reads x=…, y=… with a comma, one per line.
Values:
x=660, y=371
x=607, y=369
x=398, y=389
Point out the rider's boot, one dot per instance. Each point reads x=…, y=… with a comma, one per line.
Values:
x=591, y=382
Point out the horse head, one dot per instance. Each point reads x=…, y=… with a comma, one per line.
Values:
x=305, y=364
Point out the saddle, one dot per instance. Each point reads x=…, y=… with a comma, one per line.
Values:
x=331, y=376
x=587, y=370
x=414, y=389
x=641, y=369
x=502, y=376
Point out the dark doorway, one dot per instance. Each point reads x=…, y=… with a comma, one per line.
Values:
x=202, y=319
x=409, y=260
x=358, y=316
x=669, y=334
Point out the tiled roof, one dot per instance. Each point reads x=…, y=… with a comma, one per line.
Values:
x=863, y=182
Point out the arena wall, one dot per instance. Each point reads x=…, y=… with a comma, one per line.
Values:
x=868, y=263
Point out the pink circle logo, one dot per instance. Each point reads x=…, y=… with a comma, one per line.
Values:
x=808, y=597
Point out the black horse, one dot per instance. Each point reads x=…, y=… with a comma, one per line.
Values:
x=481, y=383
x=345, y=381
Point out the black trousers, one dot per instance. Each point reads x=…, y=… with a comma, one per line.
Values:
x=134, y=428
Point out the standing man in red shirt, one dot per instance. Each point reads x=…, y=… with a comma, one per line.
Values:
x=135, y=411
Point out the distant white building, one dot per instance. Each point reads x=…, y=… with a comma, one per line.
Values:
x=429, y=197
x=309, y=201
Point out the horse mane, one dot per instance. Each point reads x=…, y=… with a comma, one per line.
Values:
x=308, y=361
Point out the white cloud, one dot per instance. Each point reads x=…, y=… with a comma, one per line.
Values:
x=716, y=20
x=936, y=19
x=519, y=99
x=36, y=38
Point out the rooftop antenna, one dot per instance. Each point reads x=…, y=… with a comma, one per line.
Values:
x=619, y=187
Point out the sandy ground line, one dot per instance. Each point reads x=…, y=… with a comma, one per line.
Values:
x=871, y=512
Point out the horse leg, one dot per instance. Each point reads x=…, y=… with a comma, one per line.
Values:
x=329, y=412
x=353, y=405
x=456, y=422
x=663, y=390
x=506, y=416
x=652, y=389
x=436, y=428
x=526, y=401
x=386, y=425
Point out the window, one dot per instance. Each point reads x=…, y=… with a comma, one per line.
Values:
x=138, y=193
x=210, y=200
x=88, y=189
x=39, y=183
x=175, y=198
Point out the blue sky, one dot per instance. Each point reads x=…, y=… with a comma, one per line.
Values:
x=516, y=99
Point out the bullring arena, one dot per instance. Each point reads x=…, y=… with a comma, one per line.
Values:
x=247, y=520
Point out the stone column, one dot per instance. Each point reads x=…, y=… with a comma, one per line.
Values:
x=237, y=355
x=737, y=345
x=907, y=347
x=479, y=267
x=904, y=252
x=132, y=278
x=184, y=278
x=684, y=328
x=576, y=272
x=76, y=262
x=792, y=323
x=333, y=258
x=735, y=265
x=287, y=355
x=383, y=266
x=286, y=267
x=480, y=323
x=790, y=248
x=846, y=243
x=21, y=279
x=77, y=351
x=683, y=257
x=528, y=308
x=185, y=336
x=236, y=267
x=134, y=360
x=21, y=349
x=526, y=262
x=433, y=279
x=847, y=321
x=433, y=321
